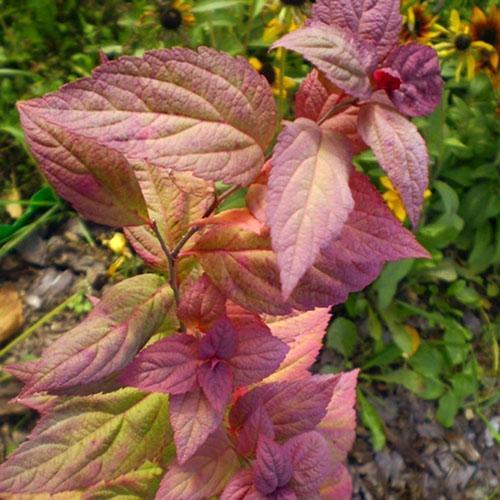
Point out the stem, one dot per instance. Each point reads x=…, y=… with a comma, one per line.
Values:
x=335, y=109
x=44, y=319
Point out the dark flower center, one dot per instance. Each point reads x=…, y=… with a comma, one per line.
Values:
x=268, y=72
x=489, y=35
x=170, y=19
x=462, y=42
x=295, y=3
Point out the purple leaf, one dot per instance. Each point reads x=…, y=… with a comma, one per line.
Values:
x=345, y=61
x=241, y=487
x=202, y=111
x=273, y=467
x=219, y=342
x=339, y=486
x=421, y=84
x=257, y=424
x=308, y=199
x=216, y=380
x=107, y=340
x=401, y=152
x=376, y=22
x=99, y=182
x=311, y=461
x=204, y=475
x=169, y=365
x=193, y=419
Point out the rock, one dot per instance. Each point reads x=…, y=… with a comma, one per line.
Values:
x=488, y=438
x=463, y=447
x=49, y=286
x=33, y=249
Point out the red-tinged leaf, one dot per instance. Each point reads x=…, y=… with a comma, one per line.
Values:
x=308, y=199
x=241, y=487
x=107, y=340
x=193, y=419
x=345, y=61
x=219, y=342
x=204, y=475
x=240, y=217
x=174, y=200
x=99, y=182
x=401, y=152
x=376, y=22
x=202, y=111
x=293, y=406
x=201, y=303
x=273, y=467
x=311, y=97
x=339, y=423
x=311, y=462
x=257, y=424
x=169, y=365
x=339, y=486
x=216, y=381
x=303, y=334
x=86, y=440
x=421, y=84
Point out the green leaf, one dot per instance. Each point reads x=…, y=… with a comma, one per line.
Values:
x=464, y=385
x=427, y=361
x=342, y=335
x=388, y=281
x=211, y=5
x=447, y=409
x=372, y=421
x=385, y=357
x=85, y=440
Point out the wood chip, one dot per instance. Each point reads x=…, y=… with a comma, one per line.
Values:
x=11, y=311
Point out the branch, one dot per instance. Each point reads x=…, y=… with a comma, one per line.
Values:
x=336, y=109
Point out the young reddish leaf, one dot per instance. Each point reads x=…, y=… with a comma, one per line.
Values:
x=174, y=200
x=99, y=182
x=343, y=59
x=216, y=380
x=311, y=464
x=193, y=419
x=220, y=341
x=293, y=406
x=241, y=487
x=339, y=423
x=339, y=485
x=107, y=340
x=85, y=440
x=303, y=334
x=273, y=467
x=201, y=303
x=311, y=97
x=202, y=111
x=240, y=217
x=400, y=150
x=375, y=22
x=309, y=199
x=257, y=424
x=204, y=475
x=169, y=365
x=421, y=84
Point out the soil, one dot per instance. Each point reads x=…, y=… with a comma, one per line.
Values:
x=422, y=460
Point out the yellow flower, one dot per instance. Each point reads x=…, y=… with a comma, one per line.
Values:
x=272, y=75
x=419, y=24
x=118, y=245
x=486, y=28
x=175, y=14
x=461, y=44
x=393, y=199
x=290, y=16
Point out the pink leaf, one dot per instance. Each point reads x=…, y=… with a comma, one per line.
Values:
x=312, y=464
x=202, y=111
x=107, y=340
x=99, y=182
x=309, y=198
x=303, y=334
x=241, y=487
x=204, y=475
x=169, y=365
x=339, y=486
x=273, y=467
x=193, y=419
x=257, y=424
x=293, y=406
x=339, y=423
x=311, y=97
x=376, y=22
x=400, y=150
x=421, y=83
x=345, y=61
x=174, y=200
x=216, y=380
x=201, y=303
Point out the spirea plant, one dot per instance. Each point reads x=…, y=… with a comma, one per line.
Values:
x=193, y=382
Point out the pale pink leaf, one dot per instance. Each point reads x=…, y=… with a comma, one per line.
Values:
x=99, y=182
x=107, y=340
x=376, y=22
x=345, y=61
x=169, y=365
x=204, y=475
x=174, y=200
x=204, y=112
x=339, y=486
x=240, y=217
x=303, y=333
x=193, y=419
x=421, y=84
x=339, y=423
x=273, y=466
x=309, y=199
x=241, y=487
x=401, y=152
